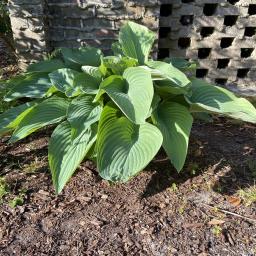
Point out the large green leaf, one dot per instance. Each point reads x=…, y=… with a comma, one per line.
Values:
x=31, y=86
x=65, y=154
x=214, y=99
x=117, y=49
x=75, y=58
x=182, y=64
x=136, y=41
x=165, y=87
x=82, y=113
x=169, y=72
x=50, y=111
x=64, y=80
x=117, y=65
x=133, y=93
x=174, y=121
x=10, y=119
x=92, y=71
x=46, y=66
x=124, y=148
x=87, y=83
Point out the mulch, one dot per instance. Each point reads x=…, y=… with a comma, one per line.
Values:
x=160, y=212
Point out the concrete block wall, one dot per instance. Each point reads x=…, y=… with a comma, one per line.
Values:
x=219, y=34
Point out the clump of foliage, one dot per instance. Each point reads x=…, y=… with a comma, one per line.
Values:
x=117, y=110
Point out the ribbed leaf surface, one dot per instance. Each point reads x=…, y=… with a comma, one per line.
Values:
x=87, y=83
x=175, y=122
x=221, y=101
x=64, y=80
x=169, y=72
x=65, y=154
x=75, y=58
x=50, y=111
x=117, y=65
x=136, y=41
x=124, y=148
x=133, y=93
x=92, y=71
x=32, y=86
x=46, y=66
x=10, y=119
x=82, y=113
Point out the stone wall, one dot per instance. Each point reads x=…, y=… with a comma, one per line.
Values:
x=219, y=34
x=40, y=26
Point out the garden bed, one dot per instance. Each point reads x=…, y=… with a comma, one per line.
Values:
x=159, y=212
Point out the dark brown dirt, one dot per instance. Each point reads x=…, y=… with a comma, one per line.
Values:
x=159, y=212
x=8, y=65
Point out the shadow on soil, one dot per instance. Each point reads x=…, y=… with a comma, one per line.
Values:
x=228, y=161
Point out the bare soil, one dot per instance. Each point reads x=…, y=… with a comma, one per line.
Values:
x=159, y=212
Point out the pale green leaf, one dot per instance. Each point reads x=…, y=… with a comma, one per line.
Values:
x=174, y=121
x=46, y=66
x=64, y=80
x=214, y=99
x=82, y=113
x=117, y=65
x=65, y=154
x=92, y=71
x=165, y=87
x=117, y=49
x=76, y=58
x=124, y=148
x=133, y=93
x=50, y=111
x=10, y=119
x=87, y=83
x=182, y=64
x=31, y=86
x=169, y=72
x=136, y=41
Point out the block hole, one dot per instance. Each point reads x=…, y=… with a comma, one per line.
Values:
x=223, y=63
x=206, y=31
x=230, y=20
x=164, y=32
x=246, y=52
x=184, y=42
x=203, y=53
x=221, y=81
x=250, y=31
x=187, y=1
x=163, y=53
x=226, y=42
x=210, y=9
x=242, y=72
x=166, y=10
x=201, y=72
x=252, y=9
x=186, y=20
x=233, y=1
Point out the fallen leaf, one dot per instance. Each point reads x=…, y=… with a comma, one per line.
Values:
x=235, y=201
x=216, y=222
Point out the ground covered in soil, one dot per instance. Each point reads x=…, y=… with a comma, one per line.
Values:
x=159, y=212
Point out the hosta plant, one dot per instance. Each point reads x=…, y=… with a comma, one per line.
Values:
x=117, y=110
